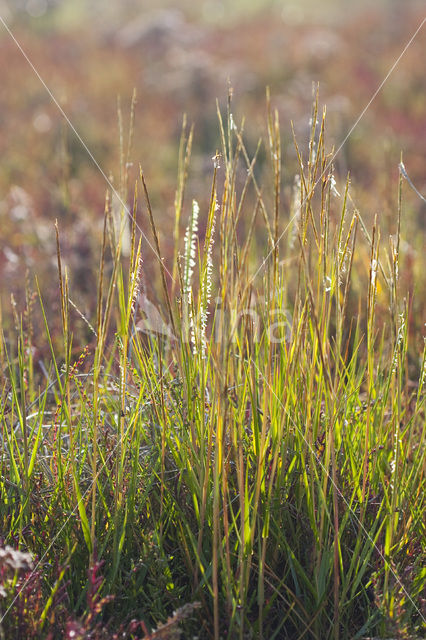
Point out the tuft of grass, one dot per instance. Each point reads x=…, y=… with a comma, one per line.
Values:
x=249, y=451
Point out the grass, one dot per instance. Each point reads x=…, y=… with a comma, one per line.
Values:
x=245, y=459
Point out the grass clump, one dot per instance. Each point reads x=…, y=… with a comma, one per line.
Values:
x=249, y=453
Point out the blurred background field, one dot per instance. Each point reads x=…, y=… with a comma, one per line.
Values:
x=180, y=57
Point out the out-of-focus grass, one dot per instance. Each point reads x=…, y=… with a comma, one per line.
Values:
x=179, y=62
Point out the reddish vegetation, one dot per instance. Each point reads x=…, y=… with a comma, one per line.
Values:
x=177, y=66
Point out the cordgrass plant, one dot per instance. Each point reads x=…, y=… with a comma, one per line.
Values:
x=255, y=462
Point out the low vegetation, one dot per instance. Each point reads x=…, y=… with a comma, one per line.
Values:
x=243, y=455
